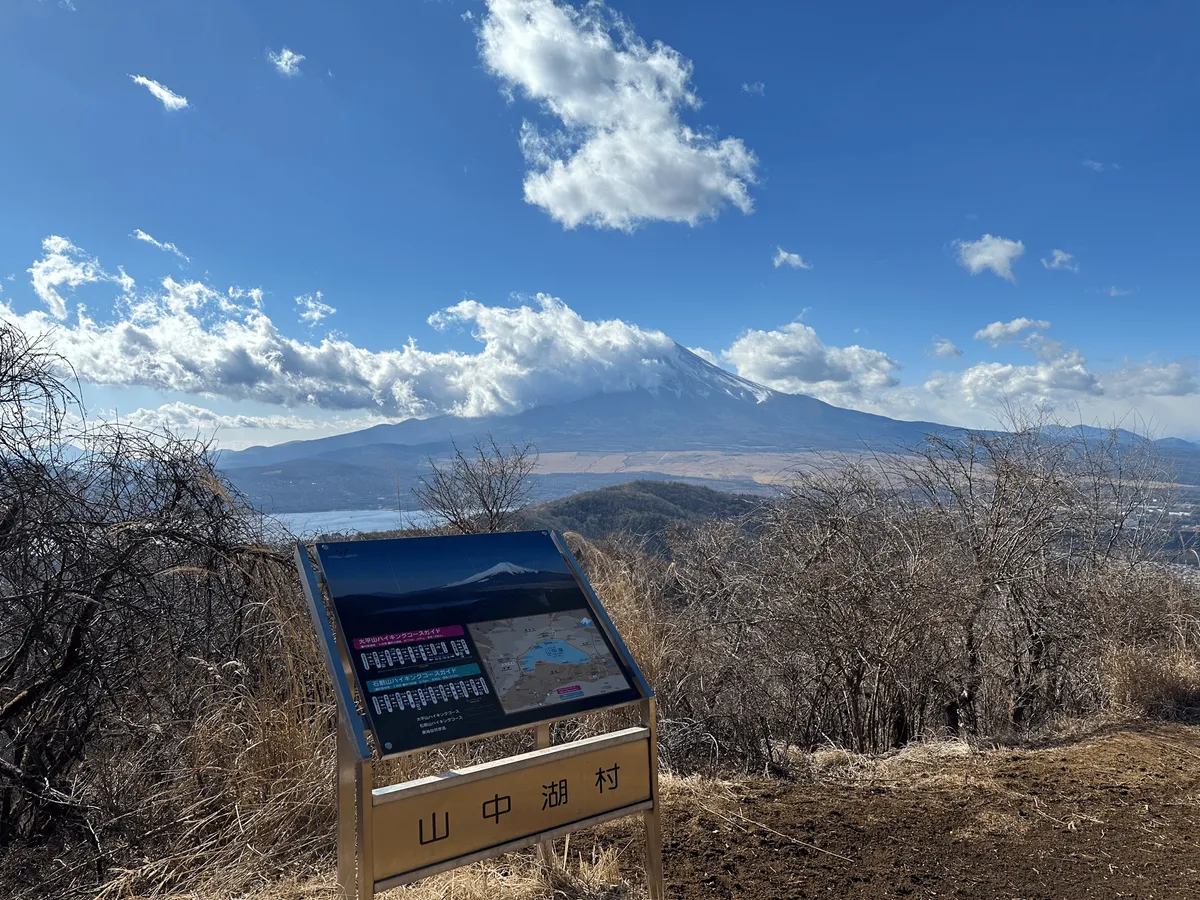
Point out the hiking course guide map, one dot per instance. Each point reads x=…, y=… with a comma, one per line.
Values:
x=545, y=659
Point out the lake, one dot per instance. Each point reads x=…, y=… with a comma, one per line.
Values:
x=350, y=521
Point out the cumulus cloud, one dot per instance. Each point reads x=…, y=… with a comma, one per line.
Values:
x=623, y=155
x=1060, y=259
x=794, y=360
x=998, y=333
x=168, y=247
x=169, y=99
x=942, y=348
x=706, y=355
x=64, y=264
x=756, y=87
x=189, y=337
x=287, y=62
x=989, y=252
x=312, y=309
x=192, y=338
x=795, y=260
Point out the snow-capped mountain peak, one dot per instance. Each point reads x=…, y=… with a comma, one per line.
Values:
x=500, y=568
x=692, y=375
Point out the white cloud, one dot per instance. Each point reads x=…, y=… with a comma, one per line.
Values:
x=706, y=355
x=756, y=87
x=467, y=16
x=191, y=338
x=998, y=333
x=795, y=260
x=314, y=310
x=1099, y=166
x=942, y=348
x=63, y=263
x=623, y=155
x=185, y=418
x=1060, y=259
x=169, y=99
x=1115, y=291
x=286, y=61
x=990, y=252
x=794, y=360
x=168, y=247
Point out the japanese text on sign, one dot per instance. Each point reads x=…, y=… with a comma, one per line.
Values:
x=427, y=825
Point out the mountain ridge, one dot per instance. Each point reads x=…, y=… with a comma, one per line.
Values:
x=695, y=408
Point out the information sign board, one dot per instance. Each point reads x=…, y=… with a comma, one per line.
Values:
x=454, y=637
x=450, y=638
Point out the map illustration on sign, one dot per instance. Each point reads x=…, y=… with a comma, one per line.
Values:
x=537, y=661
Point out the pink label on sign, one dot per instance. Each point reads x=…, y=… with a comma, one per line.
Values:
x=407, y=637
x=572, y=689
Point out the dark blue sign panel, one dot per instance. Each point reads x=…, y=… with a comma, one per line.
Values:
x=452, y=637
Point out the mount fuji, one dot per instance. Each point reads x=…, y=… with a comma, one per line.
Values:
x=698, y=423
x=695, y=411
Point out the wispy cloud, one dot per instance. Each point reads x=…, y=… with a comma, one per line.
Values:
x=1060, y=259
x=998, y=333
x=795, y=260
x=942, y=348
x=1099, y=166
x=313, y=309
x=168, y=247
x=286, y=61
x=1115, y=291
x=65, y=265
x=468, y=16
x=622, y=155
x=755, y=87
x=169, y=99
x=989, y=252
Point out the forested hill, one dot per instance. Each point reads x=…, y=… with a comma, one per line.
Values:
x=639, y=508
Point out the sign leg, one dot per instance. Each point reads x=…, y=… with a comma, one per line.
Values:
x=545, y=850
x=652, y=818
x=347, y=795
x=364, y=777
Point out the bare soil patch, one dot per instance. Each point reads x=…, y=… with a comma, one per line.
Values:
x=1116, y=815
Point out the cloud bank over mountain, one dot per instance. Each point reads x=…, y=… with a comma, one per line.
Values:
x=216, y=350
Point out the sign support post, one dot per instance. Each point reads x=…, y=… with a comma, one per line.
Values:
x=521, y=641
x=545, y=849
x=652, y=818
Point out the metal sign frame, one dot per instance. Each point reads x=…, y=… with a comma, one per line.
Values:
x=357, y=796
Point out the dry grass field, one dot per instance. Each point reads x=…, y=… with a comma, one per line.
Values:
x=1107, y=810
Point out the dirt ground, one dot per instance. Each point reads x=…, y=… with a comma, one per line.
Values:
x=1116, y=814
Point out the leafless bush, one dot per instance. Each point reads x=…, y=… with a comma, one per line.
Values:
x=141, y=619
x=478, y=490
x=973, y=587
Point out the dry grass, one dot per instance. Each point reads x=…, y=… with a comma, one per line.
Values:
x=1163, y=684
x=608, y=869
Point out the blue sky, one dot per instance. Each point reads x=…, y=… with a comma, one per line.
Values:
x=916, y=163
